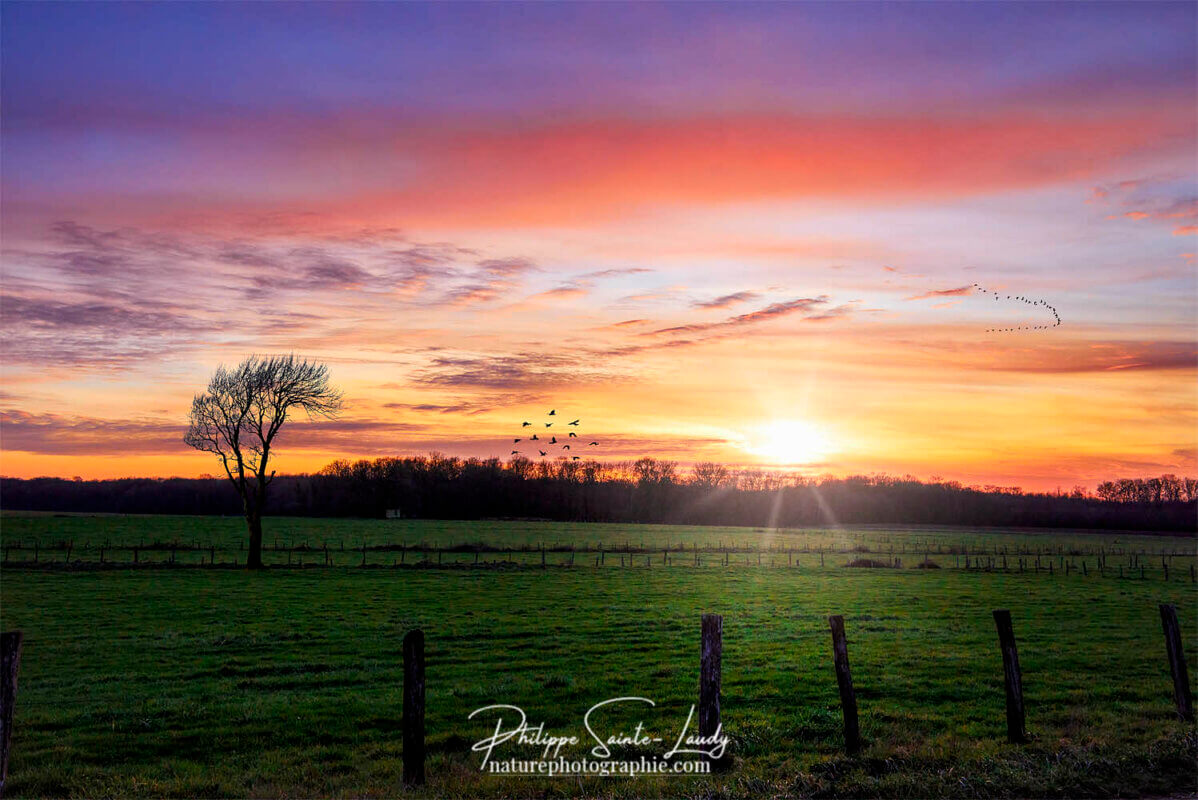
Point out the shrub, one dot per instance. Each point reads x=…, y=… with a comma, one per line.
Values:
x=868, y=563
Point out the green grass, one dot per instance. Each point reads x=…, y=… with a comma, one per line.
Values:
x=201, y=682
x=947, y=546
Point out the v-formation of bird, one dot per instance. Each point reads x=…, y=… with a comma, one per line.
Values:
x=553, y=438
x=1029, y=301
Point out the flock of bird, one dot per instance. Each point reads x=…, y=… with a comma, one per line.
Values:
x=571, y=435
x=552, y=440
x=1041, y=303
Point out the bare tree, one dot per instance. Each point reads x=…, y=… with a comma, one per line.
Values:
x=709, y=475
x=240, y=414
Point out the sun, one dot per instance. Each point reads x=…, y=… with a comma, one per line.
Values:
x=789, y=442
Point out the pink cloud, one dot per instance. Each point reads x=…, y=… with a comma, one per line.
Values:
x=957, y=292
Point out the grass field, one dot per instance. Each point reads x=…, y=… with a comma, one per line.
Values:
x=213, y=682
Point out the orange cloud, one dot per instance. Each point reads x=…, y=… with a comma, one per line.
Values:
x=492, y=172
x=1033, y=354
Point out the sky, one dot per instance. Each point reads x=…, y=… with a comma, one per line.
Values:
x=746, y=233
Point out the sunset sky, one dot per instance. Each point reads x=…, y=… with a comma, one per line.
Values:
x=743, y=233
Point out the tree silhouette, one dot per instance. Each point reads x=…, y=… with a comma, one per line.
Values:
x=241, y=413
x=446, y=487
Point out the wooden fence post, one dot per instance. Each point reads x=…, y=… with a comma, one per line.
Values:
x=1177, y=662
x=711, y=646
x=844, y=679
x=1012, y=677
x=10, y=665
x=413, y=708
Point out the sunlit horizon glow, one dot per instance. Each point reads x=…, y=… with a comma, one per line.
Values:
x=743, y=233
x=794, y=443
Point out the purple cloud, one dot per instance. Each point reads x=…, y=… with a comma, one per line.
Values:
x=726, y=300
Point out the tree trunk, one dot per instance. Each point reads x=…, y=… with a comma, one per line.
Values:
x=253, y=520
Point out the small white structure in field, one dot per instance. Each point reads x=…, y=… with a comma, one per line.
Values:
x=393, y=513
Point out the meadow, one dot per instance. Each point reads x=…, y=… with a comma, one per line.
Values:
x=160, y=680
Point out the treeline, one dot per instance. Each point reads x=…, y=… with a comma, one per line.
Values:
x=648, y=490
x=1165, y=489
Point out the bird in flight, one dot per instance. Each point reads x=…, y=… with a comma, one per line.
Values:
x=552, y=439
x=1028, y=301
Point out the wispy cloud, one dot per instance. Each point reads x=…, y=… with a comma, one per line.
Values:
x=59, y=434
x=565, y=291
x=801, y=305
x=1184, y=208
x=727, y=300
x=111, y=298
x=1074, y=357
x=470, y=407
x=957, y=292
x=902, y=272
x=1154, y=199
x=613, y=273
x=538, y=371
x=491, y=280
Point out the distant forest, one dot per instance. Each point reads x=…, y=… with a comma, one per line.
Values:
x=648, y=490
